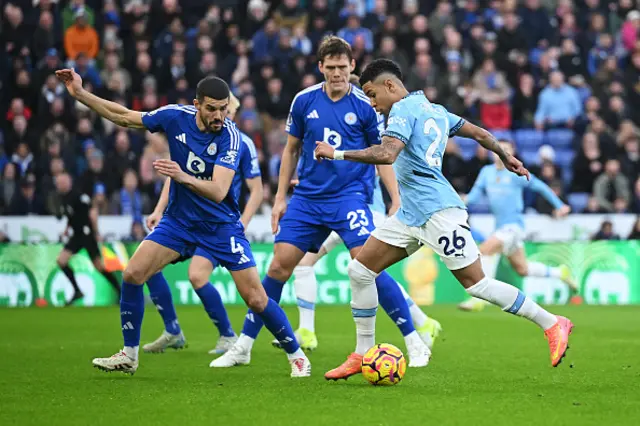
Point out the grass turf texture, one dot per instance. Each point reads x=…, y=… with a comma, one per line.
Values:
x=488, y=368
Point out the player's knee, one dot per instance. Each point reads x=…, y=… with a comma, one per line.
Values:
x=198, y=279
x=279, y=270
x=360, y=274
x=256, y=299
x=134, y=274
x=62, y=262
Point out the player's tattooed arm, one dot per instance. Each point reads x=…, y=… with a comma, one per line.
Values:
x=487, y=140
x=483, y=137
x=385, y=153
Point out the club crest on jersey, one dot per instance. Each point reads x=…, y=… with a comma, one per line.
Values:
x=212, y=148
x=350, y=118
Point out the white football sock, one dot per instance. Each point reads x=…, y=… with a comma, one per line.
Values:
x=131, y=351
x=512, y=300
x=364, y=303
x=306, y=287
x=245, y=342
x=537, y=269
x=297, y=354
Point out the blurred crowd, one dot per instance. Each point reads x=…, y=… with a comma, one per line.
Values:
x=558, y=78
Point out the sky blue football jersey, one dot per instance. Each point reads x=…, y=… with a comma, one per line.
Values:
x=377, y=205
x=505, y=193
x=197, y=153
x=348, y=124
x=424, y=128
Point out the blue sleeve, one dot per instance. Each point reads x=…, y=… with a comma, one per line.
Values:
x=158, y=119
x=543, y=189
x=295, y=121
x=249, y=164
x=229, y=147
x=455, y=123
x=400, y=123
x=478, y=188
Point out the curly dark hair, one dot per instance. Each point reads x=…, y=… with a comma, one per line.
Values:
x=379, y=67
x=333, y=46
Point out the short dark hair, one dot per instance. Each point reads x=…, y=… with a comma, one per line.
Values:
x=212, y=87
x=379, y=67
x=334, y=46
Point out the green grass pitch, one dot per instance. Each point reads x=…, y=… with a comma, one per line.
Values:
x=488, y=368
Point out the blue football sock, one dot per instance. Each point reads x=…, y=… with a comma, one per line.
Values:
x=278, y=324
x=393, y=302
x=161, y=296
x=215, y=309
x=253, y=323
x=131, y=313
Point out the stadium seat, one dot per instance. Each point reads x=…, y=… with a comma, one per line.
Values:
x=528, y=157
x=503, y=134
x=578, y=201
x=564, y=157
x=559, y=138
x=467, y=146
x=528, y=139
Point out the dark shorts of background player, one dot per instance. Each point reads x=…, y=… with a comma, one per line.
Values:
x=88, y=242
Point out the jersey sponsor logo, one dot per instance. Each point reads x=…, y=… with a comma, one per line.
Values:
x=350, y=118
x=195, y=164
x=230, y=158
x=332, y=137
x=212, y=148
x=313, y=114
x=401, y=121
x=182, y=138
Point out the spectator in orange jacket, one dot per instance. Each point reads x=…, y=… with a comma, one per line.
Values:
x=81, y=37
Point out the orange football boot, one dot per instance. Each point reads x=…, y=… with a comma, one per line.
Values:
x=352, y=366
x=558, y=337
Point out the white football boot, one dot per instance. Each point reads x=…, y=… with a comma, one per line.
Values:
x=419, y=354
x=237, y=355
x=300, y=367
x=165, y=341
x=224, y=344
x=117, y=362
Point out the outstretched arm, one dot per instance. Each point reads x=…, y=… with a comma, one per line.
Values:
x=385, y=153
x=112, y=111
x=487, y=140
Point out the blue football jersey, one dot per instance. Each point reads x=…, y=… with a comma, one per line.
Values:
x=249, y=166
x=197, y=153
x=425, y=129
x=505, y=193
x=348, y=124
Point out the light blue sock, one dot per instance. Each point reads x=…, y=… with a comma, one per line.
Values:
x=253, y=322
x=215, y=309
x=393, y=302
x=161, y=296
x=131, y=313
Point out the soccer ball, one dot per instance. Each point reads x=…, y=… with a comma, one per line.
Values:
x=384, y=365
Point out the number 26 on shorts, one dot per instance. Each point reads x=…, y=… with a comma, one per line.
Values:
x=453, y=244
